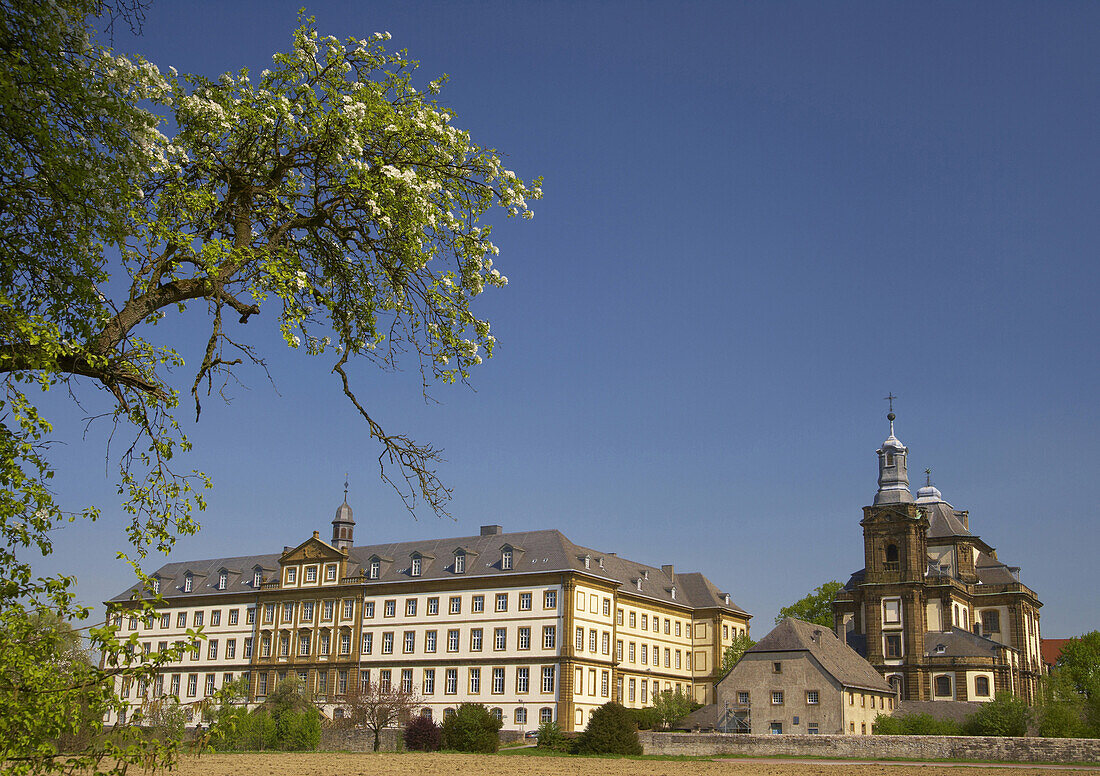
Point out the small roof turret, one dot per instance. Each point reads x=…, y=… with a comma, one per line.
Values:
x=893, y=477
x=343, y=525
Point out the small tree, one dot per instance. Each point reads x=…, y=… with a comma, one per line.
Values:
x=610, y=731
x=816, y=607
x=550, y=737
x=377, y=706
x=1061, y=712
x=735, y=651
x=672, y=706
x=422, y=735
x=1005, y=715
x=471, y=729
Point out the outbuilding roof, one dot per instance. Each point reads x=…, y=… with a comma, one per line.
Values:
x=837, y=658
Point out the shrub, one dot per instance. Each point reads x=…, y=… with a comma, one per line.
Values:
x=1005, y=715
x=645, y=719
x=551, y=737
x=914, y=725
x=611, y=730
x=298, y=730
x=422, y=735
x=471, y=729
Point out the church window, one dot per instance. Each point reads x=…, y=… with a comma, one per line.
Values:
x=981, y=686
x=891, y=610
x=991, y=621
x=889, y=459
x=943, y=686
x=893, y=646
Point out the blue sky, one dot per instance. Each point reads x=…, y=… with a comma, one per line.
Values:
x=759, y=219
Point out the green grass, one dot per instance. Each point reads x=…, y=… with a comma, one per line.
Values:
x=534, y=751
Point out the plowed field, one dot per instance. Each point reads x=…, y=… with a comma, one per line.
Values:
x=407, y=764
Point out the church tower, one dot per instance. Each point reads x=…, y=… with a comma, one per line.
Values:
x=343, y=525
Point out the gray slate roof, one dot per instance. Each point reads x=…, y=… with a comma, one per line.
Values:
x=841, y=661
x=943, y=520
x=533, y=552
x=959, y=642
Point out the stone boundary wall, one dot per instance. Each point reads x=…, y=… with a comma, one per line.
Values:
x=350, y=739
x=983, y=748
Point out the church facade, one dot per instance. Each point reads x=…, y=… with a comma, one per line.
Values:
x=934, y=610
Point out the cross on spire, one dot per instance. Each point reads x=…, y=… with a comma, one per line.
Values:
x=890, y=398
x=345, y=486
x=928, y=477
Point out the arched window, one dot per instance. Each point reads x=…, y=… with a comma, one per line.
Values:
x=895, y=685
x=546, y=714
x=892, y=553
x=498, y=714
x=448, y=713
x=981, y=686
x=943, y=686
x=426, y=712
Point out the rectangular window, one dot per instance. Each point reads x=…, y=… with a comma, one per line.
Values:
x=475, y=681
x=248, y=648
x=668, y=656
x=549, y=636
x=311, y=573
x=410, y=641
x=645, y=654
x=261, y=684
x=429, y=641
x=230, y=649
x=165, y=620
x=645, y=691
x=324, y=643
x=498, y=681
x=633, y=620
x=250, y=616
x=452, y=641
x=502, y=602
x=677, y=627
x=580, y=601
x=341, y=682
x=284, y=645
x=406, y=680
x=618, y=616
x=330, y=572
x=777, y=668
x=212, y=649
x=523, y=680
x=456, y=605
x=433, y=605
x=288, y=612
x=645, y=622
x=991, y=621
x=500, y=638
x=478, y=604
x=364, y=678
x=475, y=639
x=811, y=697
x=605, y=683
x=525, y=602
x=550, y=599
x=579, y=644
x=198, y=620
x=630, y=652
x=366, y=642
x=893, y=645
x=345, y=642
x=777, y=698
x=677, y=658
x=743, y=698
x=607, y=607
x=368, y=610
x=656, y=624
x=410, y=607
x=414, y=569
x=349, y=608
x=619, y=650
x=291, y=575
x=812, y=729
x=216, y=617
x=630, y=688
x=322, y=682
x=192, y=685
x=234, y=615
x=776, y=728
x=592, y=640
x=265, y=646
x=460, y=563
x=524, y=638
x=667, y=624
x=891, y=610
x=548, y=679
x=387, y=643
x=384, y=682
x=591, y=681
x=389, y=608
x=429, y=681
x=506, y=560
x=450, y=686
x=307, y=611
x=210, y=684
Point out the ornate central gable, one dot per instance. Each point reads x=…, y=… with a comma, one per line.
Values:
x=312, y=549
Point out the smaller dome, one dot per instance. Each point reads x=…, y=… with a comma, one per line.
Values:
x=929, y=493
x=343, y=514
x=893, y=443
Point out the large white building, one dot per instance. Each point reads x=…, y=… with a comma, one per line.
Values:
x=531, y=625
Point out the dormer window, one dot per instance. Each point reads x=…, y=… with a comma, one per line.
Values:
x=417, y=566
x=588, y=561
x=506, y=559
x=375, y=569
x=223, y=580
x=673, y=592
x=257, y=577
x=188, y=583
x=156, y=586
x=460, y=562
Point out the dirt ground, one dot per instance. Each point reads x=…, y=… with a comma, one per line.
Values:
x=408, y=764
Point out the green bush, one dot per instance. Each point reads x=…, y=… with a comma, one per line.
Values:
x=471, y=729
x=914, y=725
x=298, y=730
x=645, y=719
x=551, y=737
x=611, y=730
x=1005, y=715
x=422, y=735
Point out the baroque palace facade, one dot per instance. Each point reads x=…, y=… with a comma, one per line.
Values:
x=529, y=624
x=933, y=609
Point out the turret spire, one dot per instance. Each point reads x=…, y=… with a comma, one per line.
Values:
x=343, y=525
x=893, y=476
